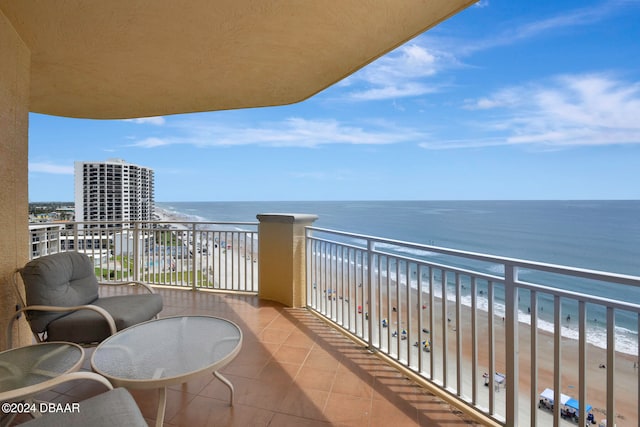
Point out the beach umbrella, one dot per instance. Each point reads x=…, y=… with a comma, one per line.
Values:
x=573, y=403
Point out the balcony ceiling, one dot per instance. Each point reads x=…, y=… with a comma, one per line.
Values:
x=134, y=58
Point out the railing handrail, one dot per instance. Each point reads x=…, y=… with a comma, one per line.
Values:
x=253, y=223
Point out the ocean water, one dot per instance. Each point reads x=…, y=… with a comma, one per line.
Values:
x=597, y=235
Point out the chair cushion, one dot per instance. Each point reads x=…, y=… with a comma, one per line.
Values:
x=86, y=326
x=62, y=279
x=113, y=408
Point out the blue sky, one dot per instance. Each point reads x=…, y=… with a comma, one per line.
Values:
x=506, y=100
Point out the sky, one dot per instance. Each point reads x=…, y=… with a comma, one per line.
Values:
x=535, y=100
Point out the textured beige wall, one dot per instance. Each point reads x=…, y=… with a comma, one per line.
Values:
x=14, y=196
x=282, y=266
x=120, y=59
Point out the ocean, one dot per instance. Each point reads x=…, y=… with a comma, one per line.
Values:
x=596, y=235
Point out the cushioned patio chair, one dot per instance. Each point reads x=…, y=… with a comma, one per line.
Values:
x=62, y=301
x=115, y=407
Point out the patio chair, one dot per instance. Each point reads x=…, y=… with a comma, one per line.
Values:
x=63, y=304
x=116, y=407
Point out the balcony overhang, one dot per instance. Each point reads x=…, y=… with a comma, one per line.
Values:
x=132, y=58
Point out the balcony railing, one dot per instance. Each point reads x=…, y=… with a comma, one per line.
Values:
x=493, y=333
x=205, y=255
x=490, y=332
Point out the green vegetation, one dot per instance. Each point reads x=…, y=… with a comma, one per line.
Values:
x=166, y=238
x=47, y=207
x=126, y=262
x=124, y=271
x=111, y=274
x=177, y=277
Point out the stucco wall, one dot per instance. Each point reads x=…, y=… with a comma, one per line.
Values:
x=282, y=268
x=14, y=195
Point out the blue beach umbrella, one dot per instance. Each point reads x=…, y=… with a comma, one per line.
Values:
x=573, y=403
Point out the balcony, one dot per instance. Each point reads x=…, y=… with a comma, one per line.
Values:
x=366, y=346
x=293, y=369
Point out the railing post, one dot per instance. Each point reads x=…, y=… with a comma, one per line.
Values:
x=76, y=238
x=309, y=279
x=511, y=343
x=136, y=251
x=194, y=252
x=611, y=366
x=367, y=308
x=282, y=257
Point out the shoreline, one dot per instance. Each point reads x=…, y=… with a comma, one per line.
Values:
x=568, y=330
x=626, y=372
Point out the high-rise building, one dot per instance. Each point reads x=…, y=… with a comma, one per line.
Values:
x=114, y=191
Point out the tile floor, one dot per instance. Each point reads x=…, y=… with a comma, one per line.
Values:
x=293, y=370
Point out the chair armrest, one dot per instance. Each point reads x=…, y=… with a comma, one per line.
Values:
x=131, y=283
x=47, y=384
x=104, y=313
x=81, y=375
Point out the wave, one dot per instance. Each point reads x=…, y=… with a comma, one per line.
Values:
x=420, y=253
x=626, y=339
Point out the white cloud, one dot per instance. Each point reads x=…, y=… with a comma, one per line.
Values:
x=43, y=167
x=393, y=91
x=152, y=142
x=156, y=121
x=503, y=98
x=407, y=62
x=291, y=132
x=399, y=74
x=545, y=27
x=412, y=69
x=570, y=110
x=321, y=175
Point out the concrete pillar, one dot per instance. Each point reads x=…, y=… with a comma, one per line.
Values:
x=15, y=60
x=282, y=262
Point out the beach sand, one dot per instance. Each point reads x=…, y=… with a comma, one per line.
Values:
x=626, y=372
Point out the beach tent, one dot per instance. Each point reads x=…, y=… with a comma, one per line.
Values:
x=549, y=395
x=573, y=403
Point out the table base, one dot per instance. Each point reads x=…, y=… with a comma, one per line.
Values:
x=162, y=399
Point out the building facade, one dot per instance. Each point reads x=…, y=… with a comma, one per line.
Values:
x=113, y=191
x=45, y=239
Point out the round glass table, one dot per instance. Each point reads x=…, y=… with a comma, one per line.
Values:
x=168, y=351
x=29, y=370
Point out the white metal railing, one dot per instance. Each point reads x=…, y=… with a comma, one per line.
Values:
x=514, y=326
x=198, y=255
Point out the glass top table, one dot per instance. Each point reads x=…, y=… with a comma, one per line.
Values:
x=168, y=351
x=26, y=371
x=29, y=370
